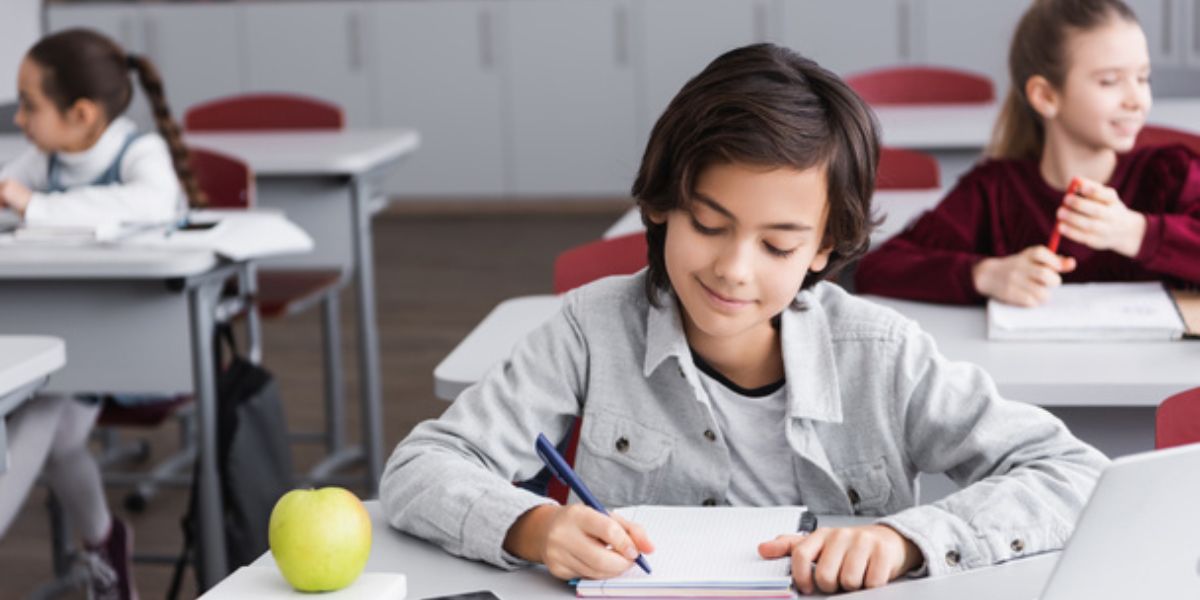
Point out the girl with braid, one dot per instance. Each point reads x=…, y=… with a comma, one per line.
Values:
x=90, y=164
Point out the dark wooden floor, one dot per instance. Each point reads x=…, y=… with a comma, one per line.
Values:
x=438, y=273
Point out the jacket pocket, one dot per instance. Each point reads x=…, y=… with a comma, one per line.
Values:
x=867, y=486
x=626, y=457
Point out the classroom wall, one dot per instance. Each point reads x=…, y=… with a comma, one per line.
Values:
x=19, y=29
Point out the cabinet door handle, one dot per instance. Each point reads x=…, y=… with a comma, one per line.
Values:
x=760, y=22
x=150, y=32
x=621, y=35
x=487, y=39
x=1196, y=26
x=1167, y=21
x=354, y=40
x=126, y=32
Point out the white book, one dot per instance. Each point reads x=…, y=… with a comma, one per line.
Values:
x=65, y=232
x=266, y=583
x=702, y=551
x=1091, y=311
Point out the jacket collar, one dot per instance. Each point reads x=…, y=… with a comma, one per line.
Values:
x=808, y=364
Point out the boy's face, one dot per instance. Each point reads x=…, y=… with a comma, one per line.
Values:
x=1106, y=94
x=737, y=254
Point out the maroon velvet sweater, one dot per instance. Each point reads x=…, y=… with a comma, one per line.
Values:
x=1002, y=207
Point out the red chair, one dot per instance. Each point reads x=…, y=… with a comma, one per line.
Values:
x=906, y=170
x=922, y=85
x=1153, y=135
x=588, y=262
x=282, y=292
x=1177, y=420
x=263, y=112
x=575, y=267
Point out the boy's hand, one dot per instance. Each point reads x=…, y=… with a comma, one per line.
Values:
x=847, y=558
x=14, y=195
x=1095, y=217
x=577, y=541
x=1024, y=278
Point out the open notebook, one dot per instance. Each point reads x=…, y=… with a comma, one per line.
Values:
x=705, y=552
x=1098, y=311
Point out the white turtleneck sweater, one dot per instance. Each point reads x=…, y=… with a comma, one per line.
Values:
x=149, y=190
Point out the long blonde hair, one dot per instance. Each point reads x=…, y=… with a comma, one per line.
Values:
x=1039, y=48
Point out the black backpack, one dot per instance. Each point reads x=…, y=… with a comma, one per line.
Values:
x=254, y=464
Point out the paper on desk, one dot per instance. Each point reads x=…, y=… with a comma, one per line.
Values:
x=709, y=551
x=266, y=583
x=1091, y=311
x=237, y=235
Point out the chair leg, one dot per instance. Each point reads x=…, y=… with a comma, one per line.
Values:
x=338, y=456
x=331, y=334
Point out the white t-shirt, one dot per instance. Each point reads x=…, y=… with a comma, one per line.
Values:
x=754, y=424
x=149, y=191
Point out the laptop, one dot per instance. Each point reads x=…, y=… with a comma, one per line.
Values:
x=1138, y=537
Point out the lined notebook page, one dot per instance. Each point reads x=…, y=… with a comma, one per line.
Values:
x=702, y=546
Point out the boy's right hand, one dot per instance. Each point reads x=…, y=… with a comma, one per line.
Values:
x=577, y=541
x=1024, y=278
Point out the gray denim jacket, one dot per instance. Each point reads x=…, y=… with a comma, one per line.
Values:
x=871, y=404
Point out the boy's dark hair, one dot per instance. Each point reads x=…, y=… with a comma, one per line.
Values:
x=767, y=106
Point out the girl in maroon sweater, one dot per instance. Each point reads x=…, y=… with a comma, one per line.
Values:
x=1084, y=69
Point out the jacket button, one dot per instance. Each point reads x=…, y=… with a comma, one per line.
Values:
x=709, y=502
x=1017, y=546
x=952, y=558
x=852, y=494
x=709, y=435
x=622, y=444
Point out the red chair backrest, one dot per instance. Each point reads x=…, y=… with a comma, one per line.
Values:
x=614, y=256
x=263, y=112
x=906, y=170
x=922, y=85
x=1177, y=420
x=579, y=265
x=1153, y=135
x=227, y=181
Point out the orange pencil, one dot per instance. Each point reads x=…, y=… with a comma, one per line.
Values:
x=1055, y=235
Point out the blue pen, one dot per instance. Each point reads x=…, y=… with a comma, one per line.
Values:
x=564, y=473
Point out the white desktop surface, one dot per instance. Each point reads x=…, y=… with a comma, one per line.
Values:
x=272, y=153
x=1086, y=374
x=432, y=571
x=1056, y=374
x=342, y=152
x=50, y=261
x=25, y=359
x=969, y=126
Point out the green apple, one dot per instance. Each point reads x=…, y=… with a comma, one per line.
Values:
x=320, y=538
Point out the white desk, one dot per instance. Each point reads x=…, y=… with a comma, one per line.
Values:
x=1105, y=392
x=433, y=572
x=137, y=320
x=896, y=207
x=969, y=126
x=322, y=180
x=1053, y=374
x=25, y=363
x=309, y=176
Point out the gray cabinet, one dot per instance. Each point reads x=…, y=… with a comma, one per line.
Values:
x=440, y=69
x=571, y=97
x=314, y=48
x=198, y=51
x=680, y=37
x=973, y=35
x=849, y=36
